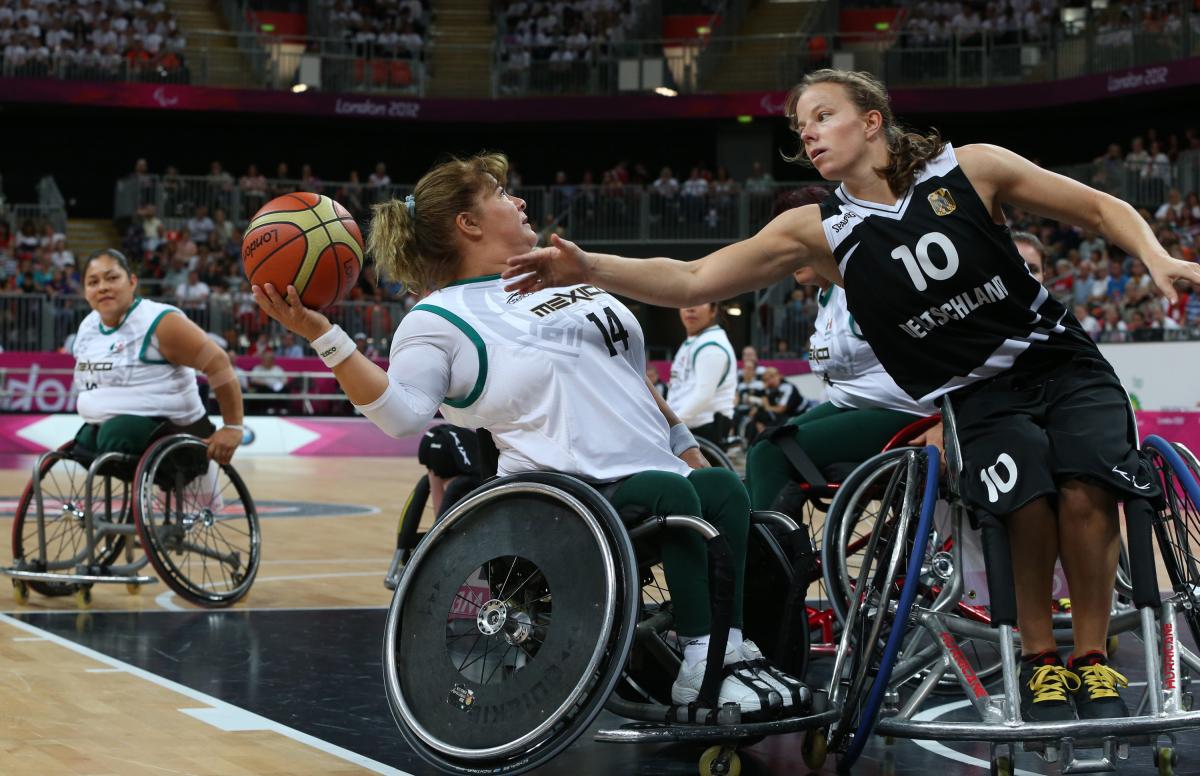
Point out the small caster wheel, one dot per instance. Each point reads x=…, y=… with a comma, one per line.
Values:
x=1111, y=645
x=1165, y=760
x=83, y=596
x=720, y=761
x=814, y=748
x=132, y=588
x=1002, y=766
x=20, y=592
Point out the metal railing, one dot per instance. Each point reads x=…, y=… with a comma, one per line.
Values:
x=1144, y=184
x=51, y=207
x=41, y=322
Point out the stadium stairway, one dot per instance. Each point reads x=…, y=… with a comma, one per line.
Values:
x=461, y=38
x=86, y=235
x=753, y=65
x=211, y=54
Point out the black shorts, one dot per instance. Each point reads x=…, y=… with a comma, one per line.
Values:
x=1024, y=435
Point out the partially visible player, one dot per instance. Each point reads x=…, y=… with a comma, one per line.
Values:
x=703, y=385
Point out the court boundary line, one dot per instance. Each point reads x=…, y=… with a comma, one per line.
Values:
x=230, y=610
x=212, y=702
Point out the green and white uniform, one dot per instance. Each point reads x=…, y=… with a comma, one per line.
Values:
x=556, y=376
x=704, y=378
x=840, y=355
x=120, y=371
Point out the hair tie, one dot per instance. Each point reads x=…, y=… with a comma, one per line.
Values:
x=411, y=203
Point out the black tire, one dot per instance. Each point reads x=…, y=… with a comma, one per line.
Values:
x=713, y=453
x=511, y=538
x=63, y=485
x=208, y=557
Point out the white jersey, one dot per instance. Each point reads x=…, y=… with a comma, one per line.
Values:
x=557, y=376
x=704, y=378
x=120, y=371
x=853, y=376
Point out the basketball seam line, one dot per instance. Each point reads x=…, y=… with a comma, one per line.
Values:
x=303, y=233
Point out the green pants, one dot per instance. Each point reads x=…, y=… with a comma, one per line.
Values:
x=715, y=495
x=828, y=434
x=132, y=434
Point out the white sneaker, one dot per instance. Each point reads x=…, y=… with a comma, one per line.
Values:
x=739, y=686
x=794, y=692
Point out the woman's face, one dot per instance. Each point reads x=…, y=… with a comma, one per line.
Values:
x=832, y=130
x=697, y=319
x=501, y=217
x=109, y=290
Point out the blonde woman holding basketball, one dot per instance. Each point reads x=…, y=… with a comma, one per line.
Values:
x=558, y=378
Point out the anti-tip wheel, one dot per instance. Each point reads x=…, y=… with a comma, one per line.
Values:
x=814, y=748
x=20, y=592
x=133, y=588
x=83, y=596
x=720, y=761
x=1165, y=760
x=1002, y=766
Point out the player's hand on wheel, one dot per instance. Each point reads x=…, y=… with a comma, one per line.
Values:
x=562, y=263
x=288, y=310
x=1166, y=273
x=223, y=443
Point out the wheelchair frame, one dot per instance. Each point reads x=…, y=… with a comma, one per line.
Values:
x=1000, y=720
x=137, y=477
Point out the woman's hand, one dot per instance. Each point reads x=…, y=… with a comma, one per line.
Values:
x=294, y=316
x=933, y=436
x=1168, y=271
x=223, y=443
x=694, y=458
x=562, y=263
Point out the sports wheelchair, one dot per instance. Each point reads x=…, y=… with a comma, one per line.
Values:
x=82, y=516
x=502, y=646
x=890, y=566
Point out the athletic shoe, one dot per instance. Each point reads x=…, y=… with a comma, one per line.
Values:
x=739, y=686
x=1098, y=697
x=1045, y=683
x=794, y=692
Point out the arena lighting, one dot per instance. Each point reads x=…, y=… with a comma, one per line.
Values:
x=300, y=88
x=665, y=91
x=745, y=119
x=734, y=310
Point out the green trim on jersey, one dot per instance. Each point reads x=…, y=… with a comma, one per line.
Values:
x=472, y=335
x=476, y=279
x=728, y=359
x=823, y=296
x=149, y=336
x=106, y=331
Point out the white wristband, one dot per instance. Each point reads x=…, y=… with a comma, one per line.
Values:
x=681, y=439
x=334, y=346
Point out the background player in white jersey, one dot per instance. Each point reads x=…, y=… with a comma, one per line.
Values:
x=703, y=384
x=135, y=363
x=558, y=378
x=916, y=234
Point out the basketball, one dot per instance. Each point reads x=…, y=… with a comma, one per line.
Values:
x=306, y=240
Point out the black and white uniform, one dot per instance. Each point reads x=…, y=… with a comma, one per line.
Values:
x=946, y=302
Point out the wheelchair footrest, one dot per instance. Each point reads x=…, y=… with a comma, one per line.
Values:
x=80, y=579
x=662, y=732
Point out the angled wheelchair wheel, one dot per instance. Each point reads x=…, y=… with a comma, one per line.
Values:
x=63, y=483
x=197, y=524
x=885, y=590
x=510, y=625
x=1178, y=525
x=713, y=453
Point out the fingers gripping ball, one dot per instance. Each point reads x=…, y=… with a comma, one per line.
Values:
x=306, y=240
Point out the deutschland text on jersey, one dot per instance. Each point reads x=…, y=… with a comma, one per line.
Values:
x=939, y=289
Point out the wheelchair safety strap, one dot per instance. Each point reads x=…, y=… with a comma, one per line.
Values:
x=410, y=516
x=720, y=588
x=792, y=651
x=785, y=438
x=1139, y=523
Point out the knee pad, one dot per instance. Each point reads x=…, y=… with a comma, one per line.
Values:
x=449, y=451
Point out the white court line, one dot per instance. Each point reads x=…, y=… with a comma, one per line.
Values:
x=28, y=638
x=164, y=599
x=952, y=754
x=331, y=561
x=105, y=670
x=218, y=710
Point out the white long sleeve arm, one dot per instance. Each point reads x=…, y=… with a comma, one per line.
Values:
x=711, y=364
x=430, y=360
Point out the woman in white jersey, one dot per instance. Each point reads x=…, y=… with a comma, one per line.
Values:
x=557, y=377
x=915, y=232
x=703, y=387
x=135, y=368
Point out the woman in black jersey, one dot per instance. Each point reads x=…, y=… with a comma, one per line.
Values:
x=916, y=234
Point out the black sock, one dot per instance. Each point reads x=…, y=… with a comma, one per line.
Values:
x=1047, y=658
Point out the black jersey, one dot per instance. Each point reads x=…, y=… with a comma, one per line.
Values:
x=939, y=289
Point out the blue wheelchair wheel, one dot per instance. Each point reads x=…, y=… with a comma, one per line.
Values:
x=1177, y=526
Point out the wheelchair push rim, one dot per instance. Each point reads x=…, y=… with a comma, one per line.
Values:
x=492, y=724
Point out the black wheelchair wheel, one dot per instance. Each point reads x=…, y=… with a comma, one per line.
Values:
x=713, y=453
x=1178, y=525
x=199, y=527
x=510, y=625
x=64, y=495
